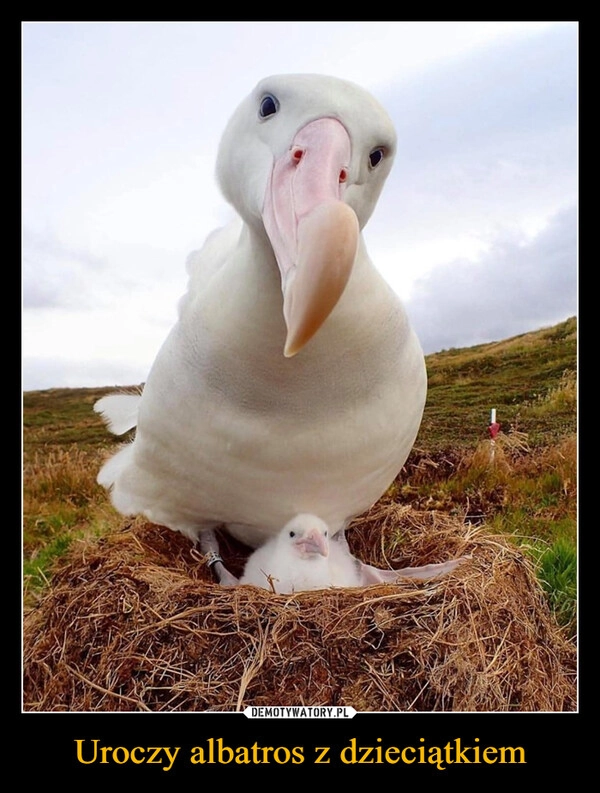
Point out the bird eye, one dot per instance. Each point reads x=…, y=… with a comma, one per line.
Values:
x=375, y=157
x=326, y=534
x=268, y=106
x=292, y=534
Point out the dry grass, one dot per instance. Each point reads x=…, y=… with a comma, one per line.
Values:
x=134, y=622
x=59, y=482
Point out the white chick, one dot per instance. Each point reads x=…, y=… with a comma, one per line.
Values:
x=295, y=560
x=344, y=569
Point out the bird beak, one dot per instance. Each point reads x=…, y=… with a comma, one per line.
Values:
x=313, y=543
x=314, y=234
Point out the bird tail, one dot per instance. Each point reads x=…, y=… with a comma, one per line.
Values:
x=110, y=472
x=119, y=411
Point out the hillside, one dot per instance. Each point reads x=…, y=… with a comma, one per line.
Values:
x=530, y=379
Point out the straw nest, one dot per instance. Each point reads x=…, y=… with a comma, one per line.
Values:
x=134, y=622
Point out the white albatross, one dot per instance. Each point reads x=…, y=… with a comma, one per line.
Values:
x=292, y=381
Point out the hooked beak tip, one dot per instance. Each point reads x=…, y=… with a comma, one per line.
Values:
x=328, y=243
x=290, y=350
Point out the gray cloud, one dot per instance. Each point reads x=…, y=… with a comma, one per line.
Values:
x=491, y=132
x=56, y=276
x=515, y=287
x=490, y=99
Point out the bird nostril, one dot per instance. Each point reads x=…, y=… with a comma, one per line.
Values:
x=343, y=175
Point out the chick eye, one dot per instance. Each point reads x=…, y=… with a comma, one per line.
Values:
x=326, y=534
x=268, y=106
x=375, y=157
x=292, y=534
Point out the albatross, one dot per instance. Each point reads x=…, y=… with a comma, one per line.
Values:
x=301, y=558
x=292, y=381
x=295, y=560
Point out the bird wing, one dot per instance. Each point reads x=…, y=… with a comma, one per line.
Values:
x=119, y=411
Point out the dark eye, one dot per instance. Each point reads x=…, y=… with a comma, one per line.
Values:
x=326, y=534
x=268, y=106
x=375, y=157
x=292, y=534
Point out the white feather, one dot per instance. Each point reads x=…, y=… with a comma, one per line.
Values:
x=119, y=411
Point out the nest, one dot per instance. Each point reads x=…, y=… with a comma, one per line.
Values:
x=135, y=622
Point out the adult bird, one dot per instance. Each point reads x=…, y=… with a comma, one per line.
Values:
x=292, y=381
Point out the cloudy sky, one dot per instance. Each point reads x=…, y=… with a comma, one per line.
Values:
x=476, y=228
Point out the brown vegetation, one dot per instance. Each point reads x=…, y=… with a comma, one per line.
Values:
x=133, y=622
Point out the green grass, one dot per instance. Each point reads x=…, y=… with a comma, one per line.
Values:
x=61, y=501
x=60, y=417
x=530, y=380
x=558, y=574
x=36, y=568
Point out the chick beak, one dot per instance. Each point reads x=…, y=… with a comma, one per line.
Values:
x=313, y=543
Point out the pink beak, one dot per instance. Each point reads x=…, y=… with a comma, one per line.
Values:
x=314, y=234
x=313, y=542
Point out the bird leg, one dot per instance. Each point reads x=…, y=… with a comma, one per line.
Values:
x=374, y=575
x=209, y=545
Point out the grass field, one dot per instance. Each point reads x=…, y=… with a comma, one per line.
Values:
x=528, y=490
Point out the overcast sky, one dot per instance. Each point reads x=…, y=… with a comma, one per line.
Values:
x=476, y=228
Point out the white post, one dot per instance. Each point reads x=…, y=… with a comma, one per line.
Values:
x=492, y=441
